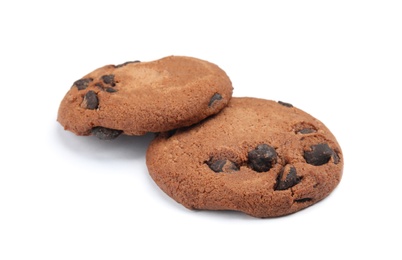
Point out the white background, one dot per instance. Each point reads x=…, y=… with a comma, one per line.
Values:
x=69, y=197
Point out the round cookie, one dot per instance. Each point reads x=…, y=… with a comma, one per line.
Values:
x=139, y=97
x=261, y=157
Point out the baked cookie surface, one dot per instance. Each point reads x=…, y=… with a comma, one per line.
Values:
x=261, y=157
x=139, y=97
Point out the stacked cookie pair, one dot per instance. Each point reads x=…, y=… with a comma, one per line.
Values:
x=211, y=151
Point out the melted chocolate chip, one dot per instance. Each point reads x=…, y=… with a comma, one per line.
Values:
x=262, y=158
x=287, y=178
x=285, y=104
x=109, y=80
x=104, y=133
x=125, y=63
x=91, y=100
x=214, y=98
x=320, y=154
x=82, y=83
x=222, y=165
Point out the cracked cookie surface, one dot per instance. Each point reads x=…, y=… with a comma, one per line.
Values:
x=134, y=98
x=261, y=157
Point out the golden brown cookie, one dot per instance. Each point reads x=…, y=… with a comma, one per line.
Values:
x=257, y=156
x=139, y=97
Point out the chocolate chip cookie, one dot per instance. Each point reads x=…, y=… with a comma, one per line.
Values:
x=135, y=97
x=261, y=157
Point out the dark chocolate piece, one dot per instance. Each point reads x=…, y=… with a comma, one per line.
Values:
x=336, y=158
x=222, y=165
x=104, y=133
x=285, y=104
x=214, y=98
x=304, y=128
x=262, y=158
x=109, y=79
x=82, y=83
x=320, y=154
x=91, y=100
x=287, y=178
x=110, y=90
x=125, y=63
x=306, y=131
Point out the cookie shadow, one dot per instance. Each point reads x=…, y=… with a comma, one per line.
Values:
x=122, y=148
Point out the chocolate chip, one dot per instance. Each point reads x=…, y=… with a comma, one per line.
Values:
x=82, y=83
x=262, y=158
x=285, y=104
x=214, y=98
x=306, y=131
x=109, y=79
x=222, y=165
x=91, y=100
x=104, y=133
x=336, y=158
x=320, y=154
x=110, y=90
x=217, y=165
x=287, y=178
x=304, y=128
x=303, y=200
x=125, y=63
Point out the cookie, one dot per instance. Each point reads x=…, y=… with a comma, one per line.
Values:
x=261, y=157
x=134, y=98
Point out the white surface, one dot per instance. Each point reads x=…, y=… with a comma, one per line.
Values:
x=69, y=197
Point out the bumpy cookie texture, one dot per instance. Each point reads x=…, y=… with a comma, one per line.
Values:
x=261, y=157
x=135, y=97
